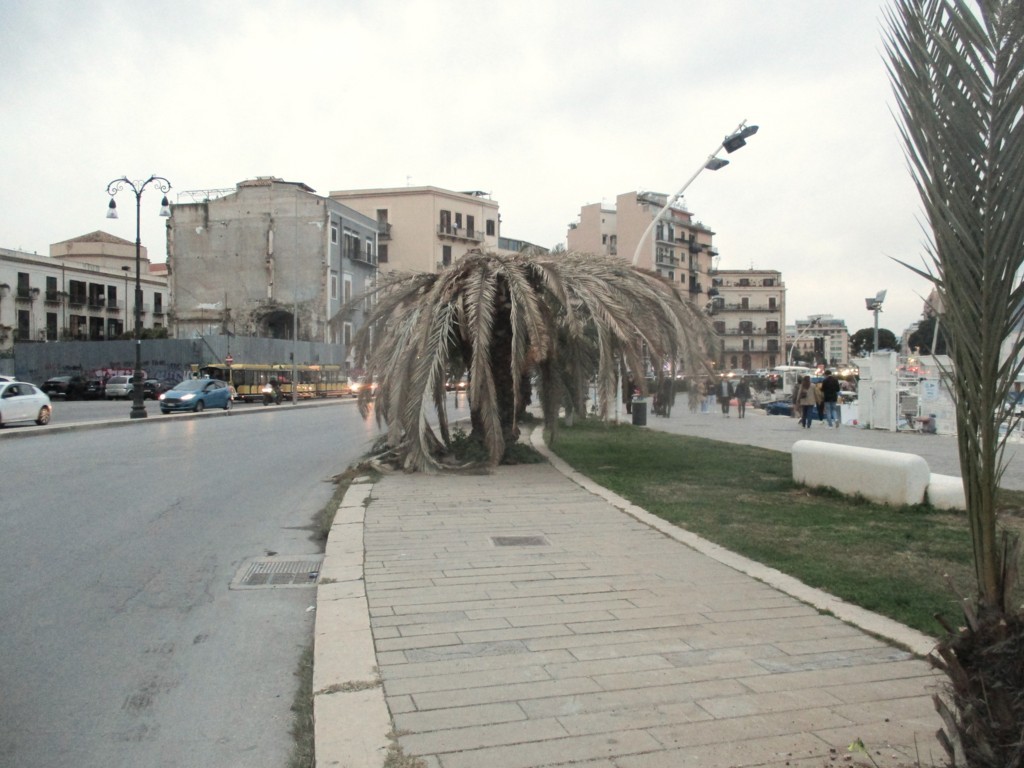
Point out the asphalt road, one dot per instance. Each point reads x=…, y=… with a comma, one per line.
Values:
x=121, y=642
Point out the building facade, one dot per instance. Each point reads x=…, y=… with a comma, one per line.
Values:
x=424, y=229
x=749, y=315
x=821, y=339
x=270, y=259
x=82, y=291
x=679, y=248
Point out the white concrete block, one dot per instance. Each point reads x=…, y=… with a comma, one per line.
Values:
x=946, y=492
x=889, y=477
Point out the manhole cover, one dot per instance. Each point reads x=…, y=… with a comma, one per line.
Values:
x=268, y=572
x=519, y=541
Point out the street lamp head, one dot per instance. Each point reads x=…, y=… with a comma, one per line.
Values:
x=165, y=208
x=112, y=209
x=739, y=139
x=715, y=163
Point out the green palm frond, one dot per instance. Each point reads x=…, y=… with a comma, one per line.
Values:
x=958, y=78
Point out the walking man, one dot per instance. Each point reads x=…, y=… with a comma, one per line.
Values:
x=830, y=394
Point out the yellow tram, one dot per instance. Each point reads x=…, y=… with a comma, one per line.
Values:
x=248, y=379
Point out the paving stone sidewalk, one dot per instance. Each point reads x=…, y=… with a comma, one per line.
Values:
x=519, y=620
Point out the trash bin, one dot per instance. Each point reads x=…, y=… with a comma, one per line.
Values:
x=639, y=412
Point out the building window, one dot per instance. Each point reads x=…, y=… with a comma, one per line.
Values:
x=772, y=326
x=51, y=326
x=369, y=250
x=76, y=292
x=720, y=327
x=446, y=255
x=24, y=325
x=458, y=221
x=490, y=228
x=23, y=285
x=745, y=302
x=746, y=326
x=347, y=288
x=334, y=234
x=51, y=289
x=158, y=303
x=346, y=331
x=769, y=282
x=470, y=226
x=771, y=303
x=382, y=254
x=334, y=284
x=445, y=225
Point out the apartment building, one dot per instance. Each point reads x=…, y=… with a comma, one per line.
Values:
x=678, y=248
x=269, y=259
x=822, y=339
x=748, y=308
x=84, y=291
x=424, y=229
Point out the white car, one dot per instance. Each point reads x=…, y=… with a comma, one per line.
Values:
x=119, y=386
x=21, y=401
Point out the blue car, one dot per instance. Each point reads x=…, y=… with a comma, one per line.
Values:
x=196, y=395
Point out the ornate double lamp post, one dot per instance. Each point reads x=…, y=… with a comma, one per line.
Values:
x=137, y=187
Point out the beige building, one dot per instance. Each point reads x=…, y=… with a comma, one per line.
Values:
x=749, y=314
x=269, y=259
x=82, y=291
x=679, y=247
x=424, y=229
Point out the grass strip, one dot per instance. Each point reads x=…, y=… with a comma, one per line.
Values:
x=896, y=561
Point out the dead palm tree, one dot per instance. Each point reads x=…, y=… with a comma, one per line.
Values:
x=958, y=73
x=561, y=317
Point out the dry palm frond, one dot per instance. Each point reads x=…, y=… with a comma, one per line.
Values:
x=566, y=318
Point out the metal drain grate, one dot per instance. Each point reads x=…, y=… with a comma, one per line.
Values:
x=269, y=572
x=519, y=541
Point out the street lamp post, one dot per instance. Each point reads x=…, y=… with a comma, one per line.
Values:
x=138, y=404
x=815, y=320
x=875, y=305
x=730, y=144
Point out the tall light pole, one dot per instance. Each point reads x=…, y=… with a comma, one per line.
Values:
x=815, y=320
x=730, y=143
x=875, y=305
x=138, y=403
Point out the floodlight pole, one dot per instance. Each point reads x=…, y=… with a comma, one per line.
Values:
x=731, y=143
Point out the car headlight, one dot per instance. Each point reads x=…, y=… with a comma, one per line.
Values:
x=189, y=396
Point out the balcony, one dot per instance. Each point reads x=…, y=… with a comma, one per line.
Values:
x=383, y=230
x=460, y=233
x=741, y=308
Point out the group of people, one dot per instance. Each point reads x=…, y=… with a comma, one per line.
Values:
x=821, y=399
x=724, y=392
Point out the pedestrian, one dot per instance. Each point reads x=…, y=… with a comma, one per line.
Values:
x=724, y=396
x=628, y=390
x=709, y=396
x=830, y=387
x=742, y=395
x=804, y=402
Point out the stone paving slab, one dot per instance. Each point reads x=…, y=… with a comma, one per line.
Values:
x=597, y=640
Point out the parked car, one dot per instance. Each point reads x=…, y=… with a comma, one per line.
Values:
x=95, y=389
x=779, y=408
x=153, y=388
x=6, y=378
x=68, y=387
x=196, y=395
x=117, y=387
x=21, y=401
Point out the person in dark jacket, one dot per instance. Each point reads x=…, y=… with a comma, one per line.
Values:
x=830, y=394
x=742, y=395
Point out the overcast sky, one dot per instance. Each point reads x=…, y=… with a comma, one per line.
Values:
x=546, y=105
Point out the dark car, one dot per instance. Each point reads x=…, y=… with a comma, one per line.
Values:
x=153, y=388
x=95, y=389
x=68, y=387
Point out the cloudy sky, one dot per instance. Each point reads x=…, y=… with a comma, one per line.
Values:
x=548, y=105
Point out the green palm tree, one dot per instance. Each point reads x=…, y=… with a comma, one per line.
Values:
x=958, y=73
x=560, y=318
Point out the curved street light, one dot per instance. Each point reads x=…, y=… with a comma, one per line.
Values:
x=138, y=405
x=730, y=144
x=815, y=320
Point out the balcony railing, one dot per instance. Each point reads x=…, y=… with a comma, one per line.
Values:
x=460, y=233
x=383, y=230
x=741, y=308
